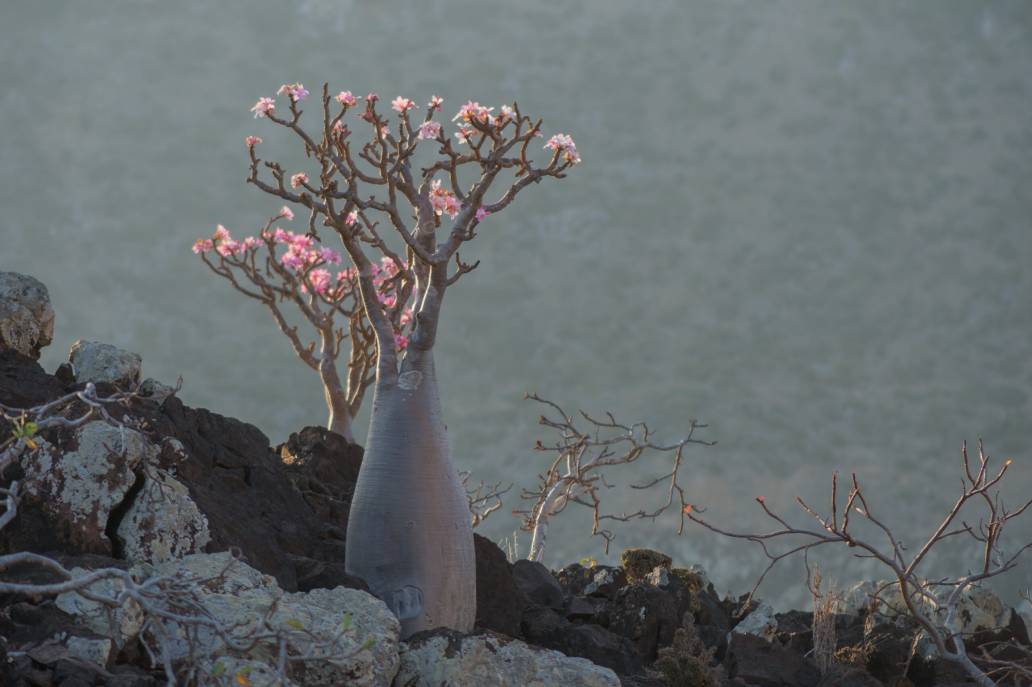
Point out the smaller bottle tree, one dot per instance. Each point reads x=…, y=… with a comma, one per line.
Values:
x=288, y=271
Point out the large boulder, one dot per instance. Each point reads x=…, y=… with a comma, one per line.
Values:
x=445, y=657
x=26, y=316
x=544, y=627
x=537, y=583
x=351, y=635
x=79, y=480
x=637, y=563
x=96, y=362
x=756, y=661
x=645, y=615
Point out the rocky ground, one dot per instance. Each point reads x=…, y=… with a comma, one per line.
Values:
x=178, y=493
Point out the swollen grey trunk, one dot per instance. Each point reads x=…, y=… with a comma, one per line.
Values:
x=409, y=533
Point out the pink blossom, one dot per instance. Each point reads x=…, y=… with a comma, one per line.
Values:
x=349, y=275
x=341, y=129
x=295, y=91
x=286, y=212
x=372, y=97
x=388, y=301
x=429, y=130
x=443, y=201
x=481, y=214
x=263, y=107
x=203, y=245
x=221, y=234
x=406, y=316
x=507, y=113
x=472, y=111
x=346, y=99
x=251, y=242
x=252, y=141
x=329, y=255
x=298, y=179
x=400, y=341
x=564, y=143
x=435, y=103
x=301, y=242
x=320, y=280
x=402, y=105
x=280, y=236
x=351, y=218
x=293, y=260
x=465, y=134
x=389, y=266
x=228, y=248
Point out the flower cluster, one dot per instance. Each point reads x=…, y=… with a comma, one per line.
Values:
x=295, y=91
x=429, y=130
x=443, y=200
x=563, y=142
x=263, y=107
x=252, y=141
x=346, y=99
x=402, y=105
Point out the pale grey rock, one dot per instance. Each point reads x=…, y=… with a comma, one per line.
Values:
x=445, y=657
x=81, y=487
x=980, y=608
x=659, y=577
x=155, y=390
x=354, y=633
x=96, y=651
x=163, y=522
x=761, y=622
x=122, y=624
x=26, y=316
x=231, y=672
x=93, y=361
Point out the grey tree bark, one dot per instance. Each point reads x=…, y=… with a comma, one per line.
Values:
x=409, y=533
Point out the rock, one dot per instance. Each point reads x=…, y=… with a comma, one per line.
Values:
x=545, y=627
x=323, y=467
x=637, y=563
x=500, y=603
x=761, y=622
x=356, y=631
x=95, y=362
x=227, y=670
x=980, y=609
x=445, y=657
x=96, y=651
x=756, y=661
x=851, y=677
x=77, y=484
x=585, y=609
x=26, y=316
x=659, y=577
x=606, y=581
x=23, y=383
x=162, y=522
x=574, y=578
x=155, y=390
x=122, y=624
x=645, y=615
x=537, y=584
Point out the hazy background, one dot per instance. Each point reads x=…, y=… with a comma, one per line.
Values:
x=806, y=223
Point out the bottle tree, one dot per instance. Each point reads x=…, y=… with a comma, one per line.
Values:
x=404, y=199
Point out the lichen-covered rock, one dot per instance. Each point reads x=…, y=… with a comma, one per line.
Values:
x=445, y=657
x=638, y=563
x=227, y=671
x=78, y=485
x=355, y=632
x=163, y=522
x=155, y=390
x=26, y=316
x=980, y=609
x=761, y=622
x=122, y=624
x=93, y=361
x=90, y=650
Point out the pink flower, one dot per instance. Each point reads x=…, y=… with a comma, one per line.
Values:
x=400, y=341
x=252, y=141
x=329, y=255
x=320, y=281
x=372, y=97
x=221, y=234
x=443, y=201
x=472, y=111
x=429, y=130
x=228, y=248
x=263, y=107
x=435, y=103
x=351, y=218
x=388, y=301
x=465, y=134
x=564, y=143
x=346, y=99
x=406, y=317
x=280, y=236
x=481, y=214
x=298, y=179
x=202, y=246
x=348, y=275
x=292, y=260
x=286, y=213
x=295, y=91
x=402, y=105
x=507, y=113
x=251, y=242
x=388, y=266
x=341, y=129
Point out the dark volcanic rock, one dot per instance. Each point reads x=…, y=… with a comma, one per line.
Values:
x=758, y=662
x=23, y=383
x=537, y=584
x=545, y=627
x=323, y=467
x=500, y=603
x=645, y=615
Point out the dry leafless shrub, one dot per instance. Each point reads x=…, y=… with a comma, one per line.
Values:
x=932, y=603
